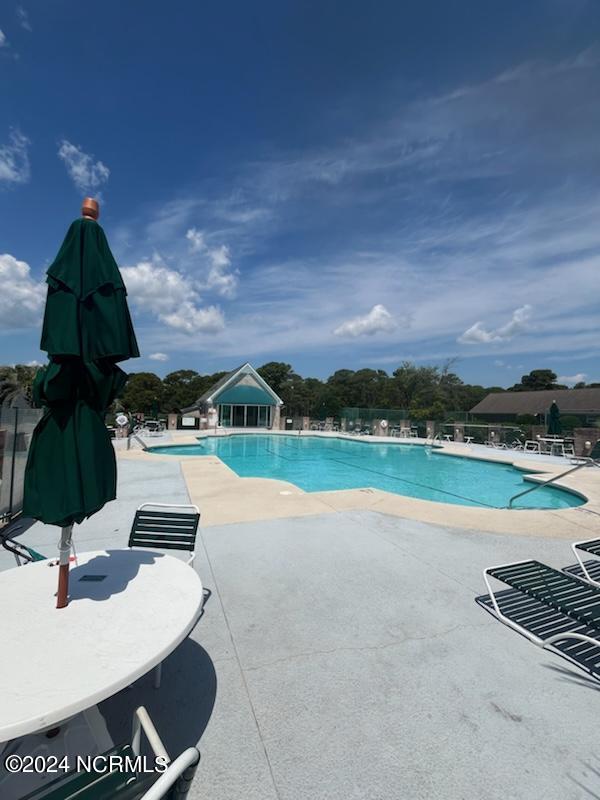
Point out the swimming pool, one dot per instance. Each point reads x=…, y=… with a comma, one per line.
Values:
x=318, y=464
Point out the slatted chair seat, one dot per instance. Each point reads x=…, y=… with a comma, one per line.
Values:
x=552, y=587
x=552, y=609
x=543, y=623
x=589, y=546
x=588, y=570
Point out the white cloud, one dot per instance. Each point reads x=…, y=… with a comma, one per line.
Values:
x=571, y=380
x=21, y=298
x=87, y=175
x=14, y=159
x=23, y=18
x=172, y=297
x=34, y=363
x=158, y=357
x=532, y=70
x=196, y=240
x=190, y=319
x=478, y=334
x=156, y=288
x=218, y=279
x=3, y=42
x=219, y=257
x=377, y=320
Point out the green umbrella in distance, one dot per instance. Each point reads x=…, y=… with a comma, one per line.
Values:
x=554, y=426
x=71, y=469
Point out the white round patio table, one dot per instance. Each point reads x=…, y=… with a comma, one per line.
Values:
x=128, y=609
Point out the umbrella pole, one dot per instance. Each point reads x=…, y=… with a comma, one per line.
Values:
x=64, y=551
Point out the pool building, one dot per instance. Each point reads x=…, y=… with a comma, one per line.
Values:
x=241, y=399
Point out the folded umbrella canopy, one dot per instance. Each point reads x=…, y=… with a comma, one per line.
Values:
x=71, y=469
x=554, y=426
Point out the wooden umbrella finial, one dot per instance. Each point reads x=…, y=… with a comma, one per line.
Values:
x=90, y=208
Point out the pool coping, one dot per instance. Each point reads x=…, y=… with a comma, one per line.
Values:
x=211, y=485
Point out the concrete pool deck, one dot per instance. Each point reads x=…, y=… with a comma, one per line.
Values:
x=212, y=485
x=341, y=656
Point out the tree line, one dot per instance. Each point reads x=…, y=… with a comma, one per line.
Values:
x=426, y=392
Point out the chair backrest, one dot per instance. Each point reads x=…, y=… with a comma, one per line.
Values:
x=169, y=527
x=558, y=590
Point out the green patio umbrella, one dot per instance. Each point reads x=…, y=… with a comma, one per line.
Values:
x=71, y=469
x=554, y=426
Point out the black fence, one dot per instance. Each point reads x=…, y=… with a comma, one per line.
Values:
x=16, y=428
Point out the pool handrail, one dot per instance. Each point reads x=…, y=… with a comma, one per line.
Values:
x=137, y=438
x=587, y=463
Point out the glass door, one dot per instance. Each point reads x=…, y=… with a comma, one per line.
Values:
x=252, y=416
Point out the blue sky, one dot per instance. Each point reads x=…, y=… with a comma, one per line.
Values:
x=335, y=185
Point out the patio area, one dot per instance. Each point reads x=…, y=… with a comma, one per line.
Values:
x=342, y=655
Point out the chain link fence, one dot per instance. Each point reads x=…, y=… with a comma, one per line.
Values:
x=16, y=428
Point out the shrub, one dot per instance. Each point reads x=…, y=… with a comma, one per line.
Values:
x=527, y=419
x=570, y=421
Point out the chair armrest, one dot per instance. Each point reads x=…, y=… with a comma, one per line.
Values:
x=142, y=722
x=502, y=617
x=575, y=547
x=186, y=762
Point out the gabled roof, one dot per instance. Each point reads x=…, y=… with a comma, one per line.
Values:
x=569, y=401
x=228, y=380
x=204, y=398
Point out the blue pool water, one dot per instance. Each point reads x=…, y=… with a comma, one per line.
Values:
x=316, y=464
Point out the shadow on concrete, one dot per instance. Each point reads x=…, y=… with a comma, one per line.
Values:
x=107, y=574
x=570, y=676
x=590, y=774
x=180, y=709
